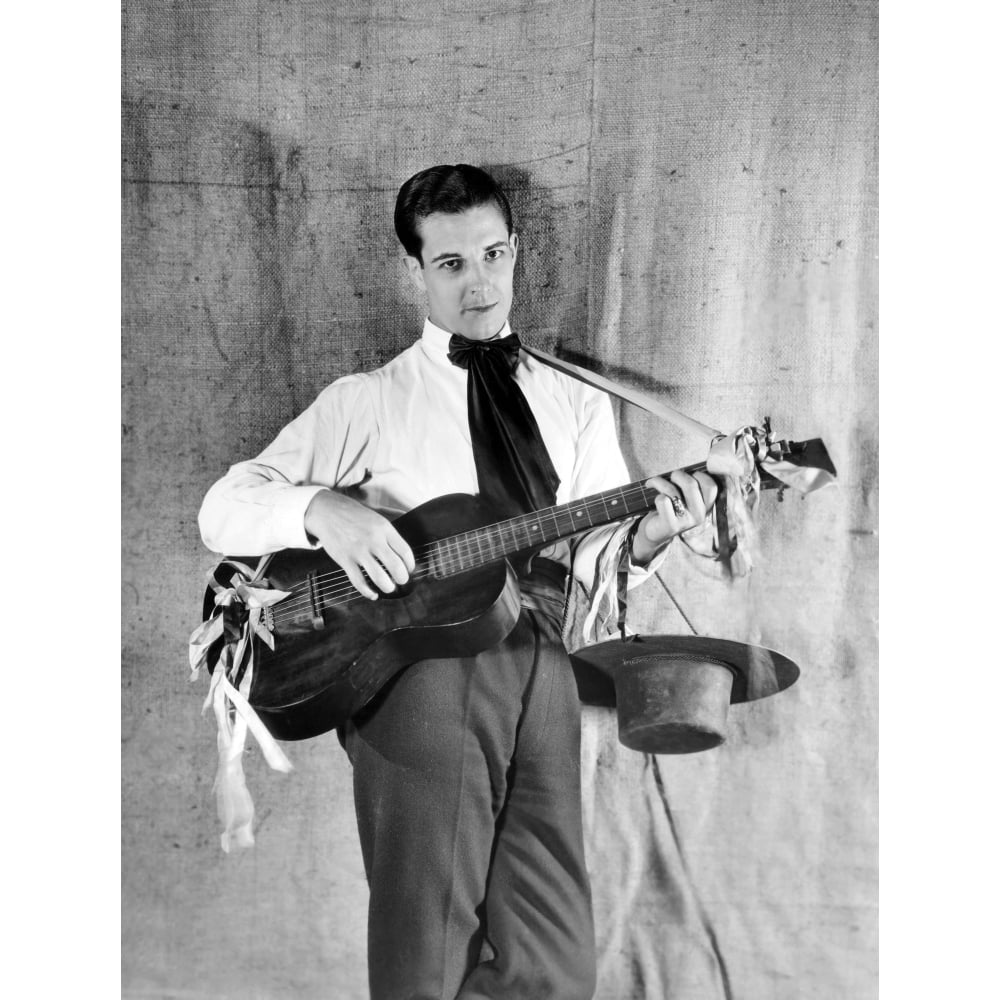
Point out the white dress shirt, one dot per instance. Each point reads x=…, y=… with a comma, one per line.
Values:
x=398, y=437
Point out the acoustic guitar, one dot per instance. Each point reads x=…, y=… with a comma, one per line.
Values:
x=334, y=649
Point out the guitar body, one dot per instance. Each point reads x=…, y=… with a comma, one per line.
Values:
x=326, y=666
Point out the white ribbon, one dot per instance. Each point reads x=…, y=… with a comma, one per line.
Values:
x=233, y=713
x=799, y=477
x=734, y=459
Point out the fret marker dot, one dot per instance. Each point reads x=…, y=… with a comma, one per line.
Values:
x=579, y=513
x=613, y=502
x=534, y=527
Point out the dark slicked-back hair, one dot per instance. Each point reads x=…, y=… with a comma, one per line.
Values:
x=445, y=188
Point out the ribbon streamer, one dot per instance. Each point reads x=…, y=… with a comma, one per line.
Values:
x=604, y=603
x=733, y=458
x=803, y=478
x=233, y=712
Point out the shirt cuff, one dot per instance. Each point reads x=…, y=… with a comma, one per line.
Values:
x=288, y=516
x=637, y=574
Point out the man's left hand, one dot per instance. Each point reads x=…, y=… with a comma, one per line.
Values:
x=684, y=502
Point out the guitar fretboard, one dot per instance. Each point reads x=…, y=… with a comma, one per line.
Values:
x=470, y=549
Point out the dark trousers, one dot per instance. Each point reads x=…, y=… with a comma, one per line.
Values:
x=467, y=789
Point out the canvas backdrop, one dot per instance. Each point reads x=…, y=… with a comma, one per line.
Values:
x=695, y=188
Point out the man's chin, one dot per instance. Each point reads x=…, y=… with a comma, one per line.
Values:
x=481, y=326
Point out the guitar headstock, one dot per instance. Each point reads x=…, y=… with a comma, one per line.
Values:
x=809, y=454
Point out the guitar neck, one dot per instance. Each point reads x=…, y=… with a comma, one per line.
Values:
x=543, y=527
x=494, y=542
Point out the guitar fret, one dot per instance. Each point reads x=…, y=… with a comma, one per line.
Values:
x=563, y=521
x=447, y=555
x=536, y=531
x=521, y=537
x=505, y=545
x=431, y=561
x=530, y=530
x=494, y=540
x=456, y=557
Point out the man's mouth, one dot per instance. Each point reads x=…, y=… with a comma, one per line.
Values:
x=480, y=309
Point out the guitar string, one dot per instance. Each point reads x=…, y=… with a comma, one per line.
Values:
x=346, y=595
x=454, y=550
x=341, y=584
x=335, y=585
x=339, y=577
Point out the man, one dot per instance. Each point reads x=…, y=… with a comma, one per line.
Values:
x=466, y=771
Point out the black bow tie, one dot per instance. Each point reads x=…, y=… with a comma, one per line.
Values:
x=461, y=349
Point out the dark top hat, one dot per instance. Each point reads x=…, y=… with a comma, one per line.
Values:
x=672, y=692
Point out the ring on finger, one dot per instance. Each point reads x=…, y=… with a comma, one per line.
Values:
x=678, y=504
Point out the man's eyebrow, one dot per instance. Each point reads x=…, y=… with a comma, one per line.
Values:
x=445, y=256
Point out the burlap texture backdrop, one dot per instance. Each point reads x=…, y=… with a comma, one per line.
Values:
x=695, y=186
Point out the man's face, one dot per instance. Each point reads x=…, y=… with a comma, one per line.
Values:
x=468, y=270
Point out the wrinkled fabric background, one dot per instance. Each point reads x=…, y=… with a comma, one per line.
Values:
x=695, y=186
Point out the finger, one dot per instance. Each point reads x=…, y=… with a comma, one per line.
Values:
x=393, y=565
x=707, y=494
x=377, y=574
x=659, y=483
x=667, y=510
x=709, y=488
x=691, y=495
x=357, y=578
x=670, y=497
x=671, y=487
x=401, y=548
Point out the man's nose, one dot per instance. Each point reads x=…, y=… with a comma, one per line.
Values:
x=479, y=280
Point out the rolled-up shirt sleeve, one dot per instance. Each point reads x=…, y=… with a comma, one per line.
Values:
x=259, y=506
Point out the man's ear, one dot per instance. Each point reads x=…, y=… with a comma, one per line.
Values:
x=416, y=271
x=513, y=241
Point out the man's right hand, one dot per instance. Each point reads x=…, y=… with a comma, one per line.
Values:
x=361, y=541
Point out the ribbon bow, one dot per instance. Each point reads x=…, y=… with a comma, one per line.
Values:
x=238, y=605
x=461, y=350
x=239, y=610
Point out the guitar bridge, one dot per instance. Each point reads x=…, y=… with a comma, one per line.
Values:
x=315, y=603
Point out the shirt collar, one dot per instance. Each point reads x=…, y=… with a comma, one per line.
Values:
x=435, y=341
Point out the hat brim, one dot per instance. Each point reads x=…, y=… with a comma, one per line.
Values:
x=757, y=671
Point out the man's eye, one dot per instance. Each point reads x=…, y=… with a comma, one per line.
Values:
x=451, y=265
x=494, y=254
